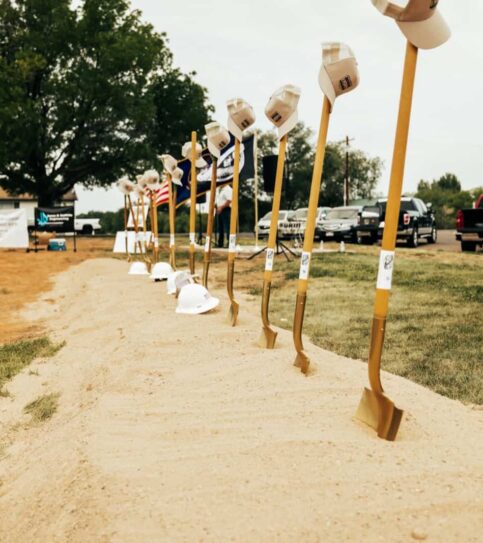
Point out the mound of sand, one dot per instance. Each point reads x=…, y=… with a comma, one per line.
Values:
x=179, y=428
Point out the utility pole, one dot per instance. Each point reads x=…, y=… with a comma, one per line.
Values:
x=347, y=180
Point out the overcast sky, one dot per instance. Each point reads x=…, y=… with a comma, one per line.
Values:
x=250, y=48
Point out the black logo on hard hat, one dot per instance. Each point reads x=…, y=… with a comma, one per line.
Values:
x=345, y=83
x=245, y=123
x=433, y=4
x=276, y=117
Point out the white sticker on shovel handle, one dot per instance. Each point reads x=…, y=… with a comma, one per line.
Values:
x=192, y=238
x=305, y=265
x=207, y=244
x=171, y=240
x=269, y=260
x=386, y=267
x=232, y=246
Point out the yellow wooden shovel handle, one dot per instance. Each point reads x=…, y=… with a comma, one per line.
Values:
x=194, y=188
x=209, y=226
x=314, y=193
x=277, y=195
x=381, y=305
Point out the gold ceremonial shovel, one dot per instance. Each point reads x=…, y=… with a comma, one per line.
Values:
x=281, y=110
x=338, y=75
x=194, y=184
x=375, y=408
x=269, y=336
x=302, y=361
x=218, y=139
x=234, y=305
x=240, y=117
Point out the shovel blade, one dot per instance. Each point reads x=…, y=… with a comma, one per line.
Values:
x=233, y=314
x=380, y=413
x=302, y=361
x=267, y=338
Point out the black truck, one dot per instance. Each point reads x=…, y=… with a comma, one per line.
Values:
x=469, y=226
x=416, y=221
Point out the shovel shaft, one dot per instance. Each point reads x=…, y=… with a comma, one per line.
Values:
x=302, y=360
x=234, y=203
x=314, y=198
x=172, y=223
x=193, y=191
x=209, y=226
x=277, y=196
x=125, y=227
x=386, y=264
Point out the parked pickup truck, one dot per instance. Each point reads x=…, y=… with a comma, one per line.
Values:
x=87, y=226
x=469, y=226
x=416, y=221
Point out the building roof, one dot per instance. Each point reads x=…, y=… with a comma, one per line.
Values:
x=6, y=196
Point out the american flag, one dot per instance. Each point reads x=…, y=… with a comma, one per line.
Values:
x=160, y=196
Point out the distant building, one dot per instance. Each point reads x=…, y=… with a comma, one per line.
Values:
x=29, y=202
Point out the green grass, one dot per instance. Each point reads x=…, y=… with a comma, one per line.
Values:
x=43, y=408
x=16, y=356
x=435, y=325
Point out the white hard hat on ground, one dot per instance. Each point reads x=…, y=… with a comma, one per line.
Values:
x=338, y=73
x=240, y=116
x=218, y=138
x=281, y=109
x=195, y=299
x=177, y=280
x=138, y=268
x=186, y=152
x=161, y=271
x=419, y=21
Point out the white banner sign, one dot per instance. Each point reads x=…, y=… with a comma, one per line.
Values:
x=120, y=243
x=13, y=229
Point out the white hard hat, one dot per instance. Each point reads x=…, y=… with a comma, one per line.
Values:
x=161, y=271
x=218, y=138
x=186, y=152
x=419, y=21
x=169, y=163
x=176, y=176
x=151, y=179
x=177, y=280
x=338, y=73
x=125, y=186
x=138, y=268
x=240, y=116
x=195, y=299
x=281, y=109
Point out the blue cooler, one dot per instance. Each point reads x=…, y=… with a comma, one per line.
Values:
x=57, y=244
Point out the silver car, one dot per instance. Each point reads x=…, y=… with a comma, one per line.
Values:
x=341, y=224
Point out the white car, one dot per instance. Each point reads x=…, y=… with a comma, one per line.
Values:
x=300, y=220
x=283, y=224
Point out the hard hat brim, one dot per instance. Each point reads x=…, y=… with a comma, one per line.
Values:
x=426, y=34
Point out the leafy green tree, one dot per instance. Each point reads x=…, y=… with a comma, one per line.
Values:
x=80, y=94
x=181, y=106
x=446, y=197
